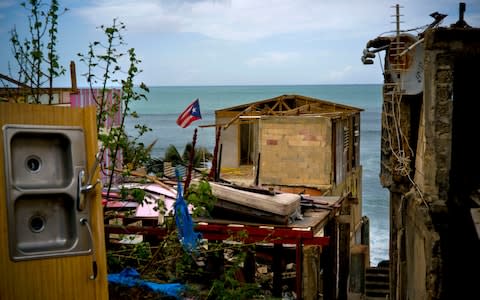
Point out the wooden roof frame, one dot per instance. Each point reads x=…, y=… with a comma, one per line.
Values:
x=289, y=105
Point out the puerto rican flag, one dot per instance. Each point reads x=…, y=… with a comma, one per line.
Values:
x=190, y=114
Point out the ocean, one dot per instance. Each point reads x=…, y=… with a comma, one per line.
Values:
x=164, y=104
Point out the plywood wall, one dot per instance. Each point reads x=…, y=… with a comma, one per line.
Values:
x=63, y=277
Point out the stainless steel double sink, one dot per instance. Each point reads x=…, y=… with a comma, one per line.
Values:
x=44, y=166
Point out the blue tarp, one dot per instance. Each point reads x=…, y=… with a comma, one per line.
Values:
x=130, y=277
x=186, y=235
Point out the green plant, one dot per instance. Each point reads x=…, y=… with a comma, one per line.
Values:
x=36, y=56
x=201, y=197
x=228, y=286
x=155, y=166
x=173, y=155
x=132, y=194
x=129, y=255
x=103, y=62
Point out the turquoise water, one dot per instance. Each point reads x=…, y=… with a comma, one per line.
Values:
x=164, y=104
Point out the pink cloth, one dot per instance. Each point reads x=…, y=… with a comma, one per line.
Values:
x=87, y=97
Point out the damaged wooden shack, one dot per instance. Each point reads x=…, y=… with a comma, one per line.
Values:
x=307, y=148
x=287, y=175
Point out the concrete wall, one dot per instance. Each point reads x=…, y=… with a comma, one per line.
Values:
x=296, y=150
x=433, y=253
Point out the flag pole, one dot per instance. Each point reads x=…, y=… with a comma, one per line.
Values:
x=190, y=164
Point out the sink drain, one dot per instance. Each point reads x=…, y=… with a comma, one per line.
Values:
x=33, y=163
x=37, y=223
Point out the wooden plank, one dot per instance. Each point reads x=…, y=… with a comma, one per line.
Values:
x=344, y=253
x=313, y=220
x=18, y=83
x=243, y=213
x=249, y=108
x=222, y=232
x=95, y=199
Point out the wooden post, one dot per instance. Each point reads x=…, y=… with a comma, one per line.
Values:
x=257, y=171
x=365, y=238
x=299, y=268
x=329, y=261
x=213, y=170
x=190, y=164
x=311, y=277
x=215, y=267
x=73, y=76
x=344, y=252
x=365, y=231
x=249, y=266
x=277, y=270
x=219, y=167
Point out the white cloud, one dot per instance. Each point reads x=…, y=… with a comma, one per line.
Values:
x=339, y=74
x=246, y=41
x=271, y=58
x=141, y=16
x=243, y=20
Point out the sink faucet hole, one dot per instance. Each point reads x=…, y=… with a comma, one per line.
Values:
x=33, y=163
x=37, y=224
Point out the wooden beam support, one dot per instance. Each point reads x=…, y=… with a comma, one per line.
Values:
x=18, y=83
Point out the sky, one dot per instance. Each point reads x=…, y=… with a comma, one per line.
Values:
x=234, y=42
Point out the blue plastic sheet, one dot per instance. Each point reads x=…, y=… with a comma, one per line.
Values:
x=186, y=235
x=130, y=277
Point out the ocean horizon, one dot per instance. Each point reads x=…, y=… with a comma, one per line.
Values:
x=165, y=103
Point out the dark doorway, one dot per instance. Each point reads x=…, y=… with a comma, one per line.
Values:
x=247, y=144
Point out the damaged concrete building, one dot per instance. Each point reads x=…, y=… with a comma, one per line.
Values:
x=310, y=147
x=429, y=161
